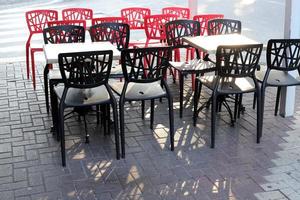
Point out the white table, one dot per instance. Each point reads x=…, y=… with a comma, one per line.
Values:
x=209, y=44
x=51, y=51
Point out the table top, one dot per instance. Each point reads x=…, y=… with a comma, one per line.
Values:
x=210, y=43
x=51, y=51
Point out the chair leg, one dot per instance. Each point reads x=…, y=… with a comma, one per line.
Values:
x=54, y=112
x=27, y=60
x=277, y=100
x=240, y=108
x=152, y=114
x=213, y=120
x=171, y=119
x=46, y=71
x=197, y=94
x=254, y=100
x=97, y=113
x=259, y=115
x=236, y=106
x=181, y=80
x=143, y=109
x=116, y=128
x=193, y=82
x=33, y=69
x=121, y=110
x=261, y=110
x=62, y=135
x=87, y=140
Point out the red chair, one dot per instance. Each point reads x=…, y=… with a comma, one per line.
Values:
x=36, y=21
x=109, y=19
x=181, y=13
x=204, y=18
x=77, y=14
x=155, y=27
x=135, y=16
x=68, y=22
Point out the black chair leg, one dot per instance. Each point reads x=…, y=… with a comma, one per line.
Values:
x=121, y=110
x=213, y=120
x=181, y=80
x=254, y=100
x=197, y=94
x=143, y=109
x=277, y=100
x=262, y=103
x=236, y=106
x=259, y=115
x=116, y=128
x=62, y=135
x=87, y=140
x=240, y=108
x=152, y=113
x=54, y=111
x=171, y=119
x=46, y=72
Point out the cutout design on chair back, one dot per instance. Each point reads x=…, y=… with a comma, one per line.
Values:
x=224, y=26
x=85, y=69
x=145, y=64
x=203, y=20
x=64, y=34
x=37, y=19
x=284, y=54
x=116, y=33
x=176, y=30
x=109, y=19
x=77, y=14
x=183, y=13
x=155, y=26
x=135, y=16
x=238, y=61
x=67, y=22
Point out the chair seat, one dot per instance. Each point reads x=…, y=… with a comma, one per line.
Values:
x=277, y=78
x=84, y=97
x=229, y=85
x=195, y=66
x=139, y=91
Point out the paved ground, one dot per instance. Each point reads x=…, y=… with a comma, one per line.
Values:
x=238, y=168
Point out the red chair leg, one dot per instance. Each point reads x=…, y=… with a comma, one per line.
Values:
x=27, y=60
x=33, y=68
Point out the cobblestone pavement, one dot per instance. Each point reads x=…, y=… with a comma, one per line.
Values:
x=238, y=168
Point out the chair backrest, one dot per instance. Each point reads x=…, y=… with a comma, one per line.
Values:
x=135, y=16
x=238, y=60
x=109, y=19
x=64, y=34
x=177, y=29
x=68, y=22
x=183, y=13
x=77, y=14
x=85, y=69
x=116, y=33
x=37, y=19
x=203, y=20
x=145, y=64
x=224, y=26
x=155, y=25
x=283, y=54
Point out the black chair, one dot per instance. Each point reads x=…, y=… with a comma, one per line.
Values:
x=223, y=26
x=55, y=35
x=283, y=56
x=116, y=33
x=235, y=67
x=85, y=77
x=175, y=31
x=144, y=69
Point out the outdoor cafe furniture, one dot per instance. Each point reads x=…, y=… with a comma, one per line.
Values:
x=77, y=14
x=180, y=12
x=235, y=67
x=175, y=31
x=282, y=68
x=116, y=33
x=36, y=22
x=100, y=20
x=66, y=32
x=203, y=20
x=223, y=26
x=85, y=83
x=135, y=16
x=144, y=70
